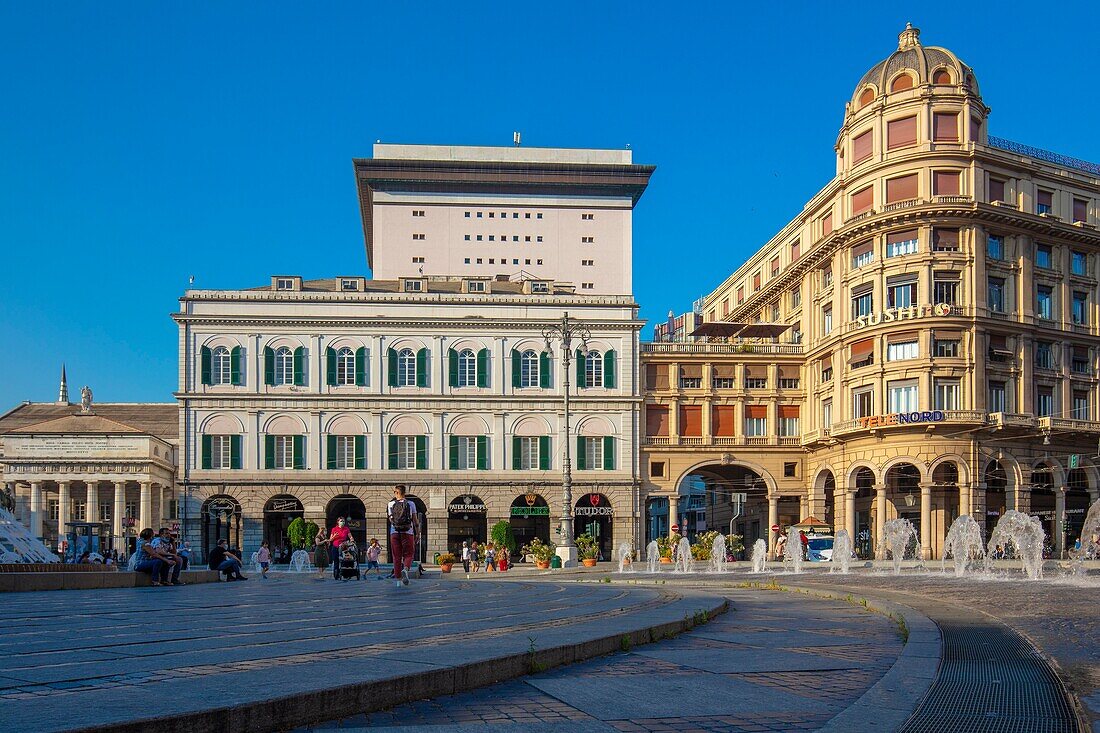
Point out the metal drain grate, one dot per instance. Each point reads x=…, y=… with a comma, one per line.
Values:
x=990, y=681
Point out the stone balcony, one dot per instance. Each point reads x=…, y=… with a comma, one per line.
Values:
x=660, y=441
x=690, y=347
x=925, y=419
x=1062, y=423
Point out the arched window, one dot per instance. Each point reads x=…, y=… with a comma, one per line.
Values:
x=902, y=82
x=941, y=76
x=593, y=369
x=406, y=368
x=222, y=366
x=345, y=366
x=866, y=97
x=467, y=368
x=529, y=369
x=284, y=366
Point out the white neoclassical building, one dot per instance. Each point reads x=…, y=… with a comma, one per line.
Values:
x=313, y=398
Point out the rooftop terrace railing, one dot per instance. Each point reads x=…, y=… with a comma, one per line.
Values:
x=1040, y=154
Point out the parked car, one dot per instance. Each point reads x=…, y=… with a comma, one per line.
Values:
x=820, y=548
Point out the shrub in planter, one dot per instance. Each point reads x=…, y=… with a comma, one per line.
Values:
x=300, y=533
x=501, y=536
x=540, y=552
x=588, y=548
x=445, y=560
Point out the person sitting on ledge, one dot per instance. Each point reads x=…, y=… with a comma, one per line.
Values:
x=167, y=549
x=147, y=560
x=223, y=560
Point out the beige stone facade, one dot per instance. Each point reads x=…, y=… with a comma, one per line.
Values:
x=941, y=299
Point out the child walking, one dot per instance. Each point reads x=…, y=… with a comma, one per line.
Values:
x=373, y=551
x=264, y=558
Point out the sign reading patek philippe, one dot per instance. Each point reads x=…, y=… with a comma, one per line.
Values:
x=902, y=418
x=902, y=314
x=467, y=505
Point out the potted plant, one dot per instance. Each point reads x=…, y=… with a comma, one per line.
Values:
x=540, y=552
x=666, y=546
x=588, y=550
x=445, y=561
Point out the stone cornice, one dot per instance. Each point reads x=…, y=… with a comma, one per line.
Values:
x=421, y=325
x=406, y=403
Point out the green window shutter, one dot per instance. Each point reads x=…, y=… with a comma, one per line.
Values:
x=235, y=370
x=269, y=451
x=421, y=452
x=235, y=451
x=453, y=452
x=452, y=367
x=608, y=453
x=482, y=452
x=206, y=451
x=330, y=366
x=544, y=370
x=391, y=459
x=300, y=366
x=483, y=368
x=580, y=370
x=299, y=452
x=361, y=366
x=360, y=452
x=205, y=359
x=391, y=375
x=422, y=368
x=544, y=452
x=516, y=367
x=609, y=369
x=269, y=365
x=330, y=452
x=516, y=465
x=582, y=459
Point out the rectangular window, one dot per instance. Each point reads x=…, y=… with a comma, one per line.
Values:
x=740, y=295
x=349, y=284
x=1043, y=302
x=345, y=452
x=284, y=283
x=467, y=453
x=789, y=383
x=756, y=382
x=945, y=127
x=1081, y=406
x=862, y=353
x=948, y=348
x=827, y=321
x=775, y=267
x=899, y=350
x=756, y=420
x=901, y=295
x=945, y=183
x=826, y=374
x=863, y=254
x=996, y=190
x=796, y=298
x=723, y=383
x=1080, y=210
x=756, y=282
x=405, y=452
x=1079, y=263
x=80, y=510
x=1044, y=202
x=861, y=403
x=1082, y=361
x=796, y=248
x=902, y=396
x=995, y=247
x=997, y=294
x=528, y=453
x=221, y=449
x=1080, y=308
x=945, y=288
x=413, y=286
x=1044, y=256
x=997, y=397
x=1044, y=355
x=862, y=147
x=789, y=422
x=862, y=200
x=284, y=452
x=900, y=133
x=1044, y=402
x=827, y=224
x=945, y=240
x=901, y=243
x=826, y=278
x=593, y=453
x=863, y=304
x=947, y=394
x=902, y=188
x=827, y=414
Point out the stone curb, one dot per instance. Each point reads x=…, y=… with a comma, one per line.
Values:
x=303, y=709
x=23, y=582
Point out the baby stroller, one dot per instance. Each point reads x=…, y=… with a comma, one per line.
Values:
x=349, y=562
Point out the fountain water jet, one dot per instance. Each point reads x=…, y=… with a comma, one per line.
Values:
x=1026, y=536
x=1090, y=538
x=718, y=554
x=652, y=556
x=626, y=552
x=792, y=551
x=683, y=556
x=300, y=562
x=896, y=536
x=759, y=556
x=964, y=545
x=842, y=553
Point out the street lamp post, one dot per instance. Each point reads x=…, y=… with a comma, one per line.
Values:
x=566, y=331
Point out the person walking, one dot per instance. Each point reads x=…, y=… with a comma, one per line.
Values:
x=404, y=522
x=374, y=550
x=466, y=556
x=490, y=558
x=780, y=546
x=475, y=556
x=337, y=536
x=263, y=557
x=804, y=543
x=320, y=552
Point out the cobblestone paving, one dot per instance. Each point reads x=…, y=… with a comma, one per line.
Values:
x=691, y=683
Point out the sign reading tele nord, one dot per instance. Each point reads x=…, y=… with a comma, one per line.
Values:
x=910, y=313
x=902, y=418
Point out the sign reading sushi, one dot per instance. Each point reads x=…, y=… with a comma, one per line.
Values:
x=909, y=313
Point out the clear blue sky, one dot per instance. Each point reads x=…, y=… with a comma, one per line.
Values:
x=146, y=142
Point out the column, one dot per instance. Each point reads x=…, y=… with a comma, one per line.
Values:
x=118, y=513
x=1060, y=521
x=64, y=505
x=773, y=519
x=804, y=507
x=673, y=511
x=145, y=508
x=850, y=513
x=36, y=508
x=91, y=501
x=926, y=521
x=880, y=521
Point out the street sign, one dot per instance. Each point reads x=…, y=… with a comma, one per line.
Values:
x=1075, y=461
x=775, y=528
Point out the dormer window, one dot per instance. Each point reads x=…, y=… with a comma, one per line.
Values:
x=941, y=76
x=866, y=97
x=901, y=83
x=540, y=286
x=414, y=286
x=475, y=286
x=349, y=284
x=286, y=283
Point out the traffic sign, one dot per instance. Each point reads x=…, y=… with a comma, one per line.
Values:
x=775, y=528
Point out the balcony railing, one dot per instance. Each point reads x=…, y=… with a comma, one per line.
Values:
x=655, y=441
x=952, y=199
x=898, y=205
x=1011, y=420
x=950, y=417
x=1062, y=423
x=701, y=347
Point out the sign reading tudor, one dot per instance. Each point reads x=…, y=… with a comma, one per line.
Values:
x=902, y=418
x=593, y=505
x=902, y=314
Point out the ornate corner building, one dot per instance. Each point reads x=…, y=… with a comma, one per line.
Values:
x=936, y=336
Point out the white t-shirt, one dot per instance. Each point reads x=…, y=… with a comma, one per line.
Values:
x=412, y=515
x=466, y=553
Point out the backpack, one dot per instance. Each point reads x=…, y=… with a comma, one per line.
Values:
x=400, y=516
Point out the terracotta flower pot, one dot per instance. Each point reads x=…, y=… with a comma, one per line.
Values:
x=446, y=567
x=666, y=560
x=542, y=564
x=589, y=562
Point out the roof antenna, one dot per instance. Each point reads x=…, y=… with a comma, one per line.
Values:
x=516, y=139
